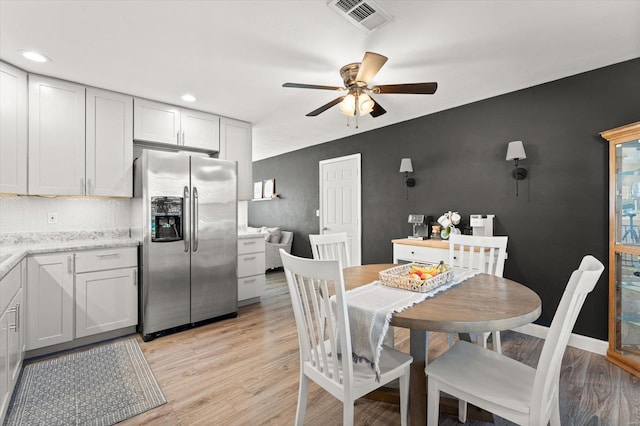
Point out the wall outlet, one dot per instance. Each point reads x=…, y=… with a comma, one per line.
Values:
x=317, y=213
x=52, y=218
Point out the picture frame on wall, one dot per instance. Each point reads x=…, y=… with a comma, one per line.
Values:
x=257, y=190
x=269, y=188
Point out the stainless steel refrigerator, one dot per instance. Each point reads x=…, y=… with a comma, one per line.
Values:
x=185, y=212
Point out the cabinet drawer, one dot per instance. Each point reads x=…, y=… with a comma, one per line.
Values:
x=100, y=260
x=250, y=287
x=250, y=245
x=250, y=264
x=420, y=254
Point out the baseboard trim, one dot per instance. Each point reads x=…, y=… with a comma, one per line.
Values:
x=586, y=343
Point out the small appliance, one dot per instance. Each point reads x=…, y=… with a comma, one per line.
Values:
x=482, y=224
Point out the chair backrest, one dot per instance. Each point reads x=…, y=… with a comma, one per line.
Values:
x=331, y=247
x=581, y=283
x=486, y=254
x=320, y=336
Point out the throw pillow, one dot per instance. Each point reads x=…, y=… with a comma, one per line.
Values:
x=274, y=235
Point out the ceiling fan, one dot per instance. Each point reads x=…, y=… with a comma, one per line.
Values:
x=356, y=77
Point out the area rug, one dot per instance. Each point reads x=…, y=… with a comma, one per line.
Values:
x=99, y=386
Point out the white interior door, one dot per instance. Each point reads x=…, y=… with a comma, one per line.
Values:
x=340, y=203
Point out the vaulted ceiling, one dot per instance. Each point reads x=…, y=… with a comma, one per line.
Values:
x=235, y=55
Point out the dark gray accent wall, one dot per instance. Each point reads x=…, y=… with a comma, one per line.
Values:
x=459, y=161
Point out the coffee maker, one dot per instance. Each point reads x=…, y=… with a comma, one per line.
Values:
x=482, y=224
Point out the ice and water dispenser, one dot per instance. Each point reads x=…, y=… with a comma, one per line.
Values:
x=166, y=219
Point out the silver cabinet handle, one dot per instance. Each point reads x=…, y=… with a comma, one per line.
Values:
x=89, y=187
x=195, y=219
x=135, y=279
x=16, y=325
x=184, y=141
x=250, y=281
x=70, y=264
x=185, y=215
x=249, y=258
x=249, y=243
x=109, y=255
x=178, y=137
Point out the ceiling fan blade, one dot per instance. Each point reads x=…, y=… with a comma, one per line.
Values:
x=312, y=86
x=325, y=107
x=377, y=110
x=370, y=65
x=411, y=88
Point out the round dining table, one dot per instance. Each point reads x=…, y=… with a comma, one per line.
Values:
x=480, y=303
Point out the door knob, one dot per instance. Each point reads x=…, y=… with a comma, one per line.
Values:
x=325, y=229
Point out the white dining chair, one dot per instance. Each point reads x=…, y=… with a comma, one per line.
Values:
x=485, y=254
x=308, y=281
x=331, y=247
x=504, y=386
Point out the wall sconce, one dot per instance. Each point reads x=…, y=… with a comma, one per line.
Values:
x=406, y=167
x=515, y=151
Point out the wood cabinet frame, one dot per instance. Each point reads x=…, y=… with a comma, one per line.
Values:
x=617, y=136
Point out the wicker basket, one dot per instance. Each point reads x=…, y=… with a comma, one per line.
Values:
x=398, y=276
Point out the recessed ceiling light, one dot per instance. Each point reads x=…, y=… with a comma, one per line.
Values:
x=188, y=98
x=35, y=56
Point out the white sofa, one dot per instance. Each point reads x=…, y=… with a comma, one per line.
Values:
x=275, y=239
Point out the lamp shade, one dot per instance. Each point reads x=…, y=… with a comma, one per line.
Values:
x=515, y=151
x=406, y=166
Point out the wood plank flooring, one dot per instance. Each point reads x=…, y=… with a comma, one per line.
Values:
x=244, y=371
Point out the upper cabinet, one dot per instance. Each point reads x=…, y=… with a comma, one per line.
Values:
x=109, y=144
x=56, y=137
x=157, y=122
x=235, y=144
x=13, y=130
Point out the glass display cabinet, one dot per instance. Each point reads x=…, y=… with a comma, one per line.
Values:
x=624, y=246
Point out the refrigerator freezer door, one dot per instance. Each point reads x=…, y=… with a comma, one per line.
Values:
x=166, y=265
x=214, y=282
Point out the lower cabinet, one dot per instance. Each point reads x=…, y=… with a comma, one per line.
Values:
x=50, y=299
x=74, y=295
x=251, y=268
x=12, y=334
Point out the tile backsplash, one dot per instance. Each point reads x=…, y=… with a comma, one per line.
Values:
x=30, y=214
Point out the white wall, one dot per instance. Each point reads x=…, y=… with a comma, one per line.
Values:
x=29, y=214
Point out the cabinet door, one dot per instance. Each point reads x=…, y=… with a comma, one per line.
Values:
x=13, y=130
x=109, y=145
x=14, y=343
x=4, y=363
x=200, y=130
x=56, y=137
x=155, y=122
x=50, y=300
x=106, y=300
x=235, y=144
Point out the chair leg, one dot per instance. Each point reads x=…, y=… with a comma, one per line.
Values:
x=404, y=397
x=426, y=347
x=302, y=399
x=348, y=412
x=462, y=411
x=497, y=344
x=433, y=402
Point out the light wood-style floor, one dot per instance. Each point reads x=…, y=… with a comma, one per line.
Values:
x=244, y=371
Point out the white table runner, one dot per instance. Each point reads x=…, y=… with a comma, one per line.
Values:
x=371, y=307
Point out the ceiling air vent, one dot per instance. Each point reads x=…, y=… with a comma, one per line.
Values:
x=367, y=15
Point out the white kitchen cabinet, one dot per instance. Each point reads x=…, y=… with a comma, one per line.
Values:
x=251, y=268
x=423, y=251
x=157, y=122
x=56, y=137
x=11, y=332
x=106, y=295
x=49, y=299
x=109, y=144
x=235, y=145
x=13, y=130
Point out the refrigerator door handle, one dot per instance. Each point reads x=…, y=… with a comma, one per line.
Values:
x=185, y=215
x=194, y=226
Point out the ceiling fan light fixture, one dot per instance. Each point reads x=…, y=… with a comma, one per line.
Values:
x=365, y=104
x=348, y=105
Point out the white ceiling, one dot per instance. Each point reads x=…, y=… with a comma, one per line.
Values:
x=235, y=55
